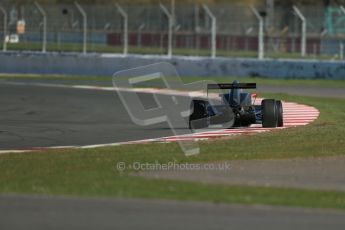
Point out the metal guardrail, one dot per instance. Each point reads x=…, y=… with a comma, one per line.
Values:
x=217, y=30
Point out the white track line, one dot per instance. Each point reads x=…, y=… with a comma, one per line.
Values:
x=294, y=115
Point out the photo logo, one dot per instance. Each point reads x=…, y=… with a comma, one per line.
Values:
x=172, y=99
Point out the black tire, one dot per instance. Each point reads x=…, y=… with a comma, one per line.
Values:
x=198, y=119
x=269, y=113
x=279, y=105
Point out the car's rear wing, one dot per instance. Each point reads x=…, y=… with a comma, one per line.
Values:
x=232, y=86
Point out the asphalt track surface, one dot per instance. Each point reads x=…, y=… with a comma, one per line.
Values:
x=37, y=116
x=30, y=212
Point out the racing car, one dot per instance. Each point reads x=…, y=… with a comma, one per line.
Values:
x=236, y=108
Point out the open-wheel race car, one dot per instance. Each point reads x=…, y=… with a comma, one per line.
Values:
x=235, y=108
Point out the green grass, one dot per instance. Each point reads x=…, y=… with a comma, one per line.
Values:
x=93, y=175
x=104, y=48
x=54, y=77
x=92, y=172
x=273, y=81
x=258, y=80
x=78, y=47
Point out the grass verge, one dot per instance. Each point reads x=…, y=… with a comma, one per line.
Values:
x=92, y=172
x=258, y=80
x=160, y=50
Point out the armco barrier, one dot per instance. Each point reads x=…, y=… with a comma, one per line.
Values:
x=107, y=64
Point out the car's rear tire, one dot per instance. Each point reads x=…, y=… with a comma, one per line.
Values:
x=269, y=113
x=279, y=105
x=198, y=119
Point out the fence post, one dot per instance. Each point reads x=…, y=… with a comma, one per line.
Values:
x=341, y=51
x=170, y=19
x=4, y=44
x=173, y=7
x=213, y=30
x=44, y=32
x=125, y=28
x=83, y=13
x=342, y=9
x=304, y=30
x=140, y=29
x=261, y=33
